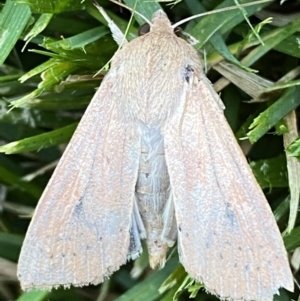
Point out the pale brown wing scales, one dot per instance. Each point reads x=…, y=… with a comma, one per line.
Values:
x=71, y=240
x=227, y=236
x=88, y=223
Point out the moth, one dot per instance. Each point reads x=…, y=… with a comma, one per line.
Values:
x=154, y=158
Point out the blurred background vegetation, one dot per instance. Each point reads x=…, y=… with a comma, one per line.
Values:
x=49, y=53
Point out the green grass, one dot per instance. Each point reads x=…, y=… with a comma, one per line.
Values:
x=51, y=82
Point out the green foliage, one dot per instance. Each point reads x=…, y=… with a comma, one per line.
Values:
x=46, y=88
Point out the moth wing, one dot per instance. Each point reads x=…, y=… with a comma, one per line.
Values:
x=227, y=235
x=80, y=232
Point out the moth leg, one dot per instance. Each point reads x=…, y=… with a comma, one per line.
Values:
x=169, y=232
x=137, y=232
x=116, y=32
x=138, y=219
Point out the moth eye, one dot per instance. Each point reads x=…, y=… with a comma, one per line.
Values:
x=145, y=28
x=178, y=31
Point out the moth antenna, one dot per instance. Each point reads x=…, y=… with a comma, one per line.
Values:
x=117, y=34
x=133, y=10
x=217, y=11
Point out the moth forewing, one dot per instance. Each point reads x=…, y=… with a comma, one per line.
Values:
x=80, y=230
x=240, y=254
x=154, y=157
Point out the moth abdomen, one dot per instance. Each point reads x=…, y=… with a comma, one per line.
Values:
x=152, y=192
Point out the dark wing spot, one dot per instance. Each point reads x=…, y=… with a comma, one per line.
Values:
x=80, y=216
x=188, y=72
x=230, y=215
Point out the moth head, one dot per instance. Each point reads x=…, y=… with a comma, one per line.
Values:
x=145, y=28
x=161, y=22
x=159, y=15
